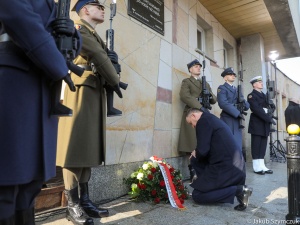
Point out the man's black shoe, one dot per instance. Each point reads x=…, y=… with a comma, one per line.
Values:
x=268, y=171
x=260, y=172
x=240, y=207
x=242, y=194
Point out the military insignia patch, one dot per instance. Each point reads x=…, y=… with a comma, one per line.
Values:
x=219, y=90
x=250, y=96
x=77, y=26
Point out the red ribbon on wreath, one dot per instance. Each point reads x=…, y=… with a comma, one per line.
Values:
x=173, y=197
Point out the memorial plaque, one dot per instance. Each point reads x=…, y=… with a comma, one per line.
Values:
x=149, y=12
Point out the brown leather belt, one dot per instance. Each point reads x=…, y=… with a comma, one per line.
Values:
x=4, y=37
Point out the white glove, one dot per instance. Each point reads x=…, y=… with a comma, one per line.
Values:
x=266, y=110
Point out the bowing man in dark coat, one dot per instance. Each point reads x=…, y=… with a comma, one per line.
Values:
x=227, y=99
x=218, y=162
x=29, y=62
x=259, y=126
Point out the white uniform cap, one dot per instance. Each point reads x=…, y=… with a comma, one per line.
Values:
x=255, y=79
x=292, y=99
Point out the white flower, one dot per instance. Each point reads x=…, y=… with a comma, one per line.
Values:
x=155, y=164
x=133, y=175
x=133, y=186
x=145, y=166
x=140, y=176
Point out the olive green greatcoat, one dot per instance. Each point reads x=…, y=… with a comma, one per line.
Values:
x=189, y=94
x=81, y=138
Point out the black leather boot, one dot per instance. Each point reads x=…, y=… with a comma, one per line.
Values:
x=75, y=213
x=8, y=221
x=89, y=207
x=193, y=175
x=25, y=217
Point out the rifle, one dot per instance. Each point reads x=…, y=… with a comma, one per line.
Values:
x=205, y=95
x=271, y=106
x=111, y=111
x=240, y=99
x=67, y=45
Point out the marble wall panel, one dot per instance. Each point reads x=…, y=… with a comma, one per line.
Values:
x=193, y=8
x=163, y=116
x=165, y=76
x=169, y=4
x=192, y=35
x=218, y=52
x=138, y=146
x=175, y=137
x=145, y=59
x=136, y=124
x=182, y=28
x=168, y=26
x=164, y=95
x=180, y=58
x=162, y=143
x=184, y=5
x=204, y=13
x=166, y=52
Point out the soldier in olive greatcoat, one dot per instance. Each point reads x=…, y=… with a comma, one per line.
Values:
x=81, y=138
x=190, y=93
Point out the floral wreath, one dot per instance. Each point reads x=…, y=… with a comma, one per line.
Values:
x=157, y=181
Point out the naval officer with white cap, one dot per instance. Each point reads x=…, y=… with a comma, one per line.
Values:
x=259, y=126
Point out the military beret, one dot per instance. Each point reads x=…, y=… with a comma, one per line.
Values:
x=194, y=62
x=228, y=71
x=82, y=3
x=255, y=79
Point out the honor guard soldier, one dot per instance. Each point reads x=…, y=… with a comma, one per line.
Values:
x=190, y=92
x=81, y=138
x=29, y=63
x=259, y=126
x=228, y=100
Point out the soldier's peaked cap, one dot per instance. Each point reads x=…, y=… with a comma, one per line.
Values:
x=227, y=71
x=82, y=3
x=255, y=79
x=194, y=62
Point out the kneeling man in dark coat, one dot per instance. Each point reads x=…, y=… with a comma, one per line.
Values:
x=218, y=162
